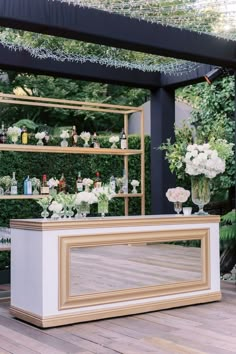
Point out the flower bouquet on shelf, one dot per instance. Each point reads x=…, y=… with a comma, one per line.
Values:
x=53, y=184
x=85, y=136
x=6, y=184
x=36, y=185
x=44, y=203
x=64, y=136
x=104, y=195
x=178, y=196
x=87, y=183
x=68, y=202
x=134, y=183
x=82, y=203
x=14, y=133
x=114, y=140
x=56, y=208
x=40, y=136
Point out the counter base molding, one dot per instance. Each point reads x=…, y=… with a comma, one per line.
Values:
x=62, y=320
x=83, y=273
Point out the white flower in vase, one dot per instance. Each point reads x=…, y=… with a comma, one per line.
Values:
x=56, y=208
x=85, y=136
x=14, y=133
x=104, y=195
x=113, y=140
x=36, y=185
x=178, y=196
x=134, y=183
x=83, y=202
x=87, y=182
x=52, y=184
x=64, y=135
x=40, y=136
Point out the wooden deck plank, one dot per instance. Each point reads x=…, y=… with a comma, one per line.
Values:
x=200, y=329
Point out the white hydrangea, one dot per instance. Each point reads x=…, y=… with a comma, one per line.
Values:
x=200, y=159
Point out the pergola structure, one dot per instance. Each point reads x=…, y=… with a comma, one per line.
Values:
x=95, y=26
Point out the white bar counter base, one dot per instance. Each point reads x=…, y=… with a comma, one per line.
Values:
x=71, y=271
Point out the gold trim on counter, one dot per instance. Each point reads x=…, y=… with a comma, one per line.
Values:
x=66, y=243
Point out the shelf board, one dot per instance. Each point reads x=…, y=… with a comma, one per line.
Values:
x=68, y=150
x=22, y=196
x=5, y=248
x=38, y=196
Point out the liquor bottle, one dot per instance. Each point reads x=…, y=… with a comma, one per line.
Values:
x=44, y=186
x=74, y=136
x=95, y=142
x=24, y=135
x=14, y=184
x=3, y=135
x=47, y=136
x=79, y=183
x=62, y=184
x=125, y=182
x=123, y=140
x=97, y=182
x=113, y=184
x=27, y=186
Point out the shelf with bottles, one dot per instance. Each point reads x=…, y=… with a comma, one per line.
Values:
x=68, y=150
x=39, y=196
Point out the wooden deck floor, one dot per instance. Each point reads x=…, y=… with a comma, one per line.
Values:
x=208, y=328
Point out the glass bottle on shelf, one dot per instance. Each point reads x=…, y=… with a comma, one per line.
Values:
x=3, y=135
x=74, y=136
x=95, y=143
x=123, y=140
x=62, y=184
x=79, y=183
x=113, y=184
x=14, y=184
x=47, y=136
x=24, y=135
x=124, y=182
x=44, y=186
x=27, y=186
x=97, y=181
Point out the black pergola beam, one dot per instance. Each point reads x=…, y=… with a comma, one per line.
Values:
x=90, y=25
x=22, y=61
x=189, y=78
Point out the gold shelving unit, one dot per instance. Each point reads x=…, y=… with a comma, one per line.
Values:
x=86, y=106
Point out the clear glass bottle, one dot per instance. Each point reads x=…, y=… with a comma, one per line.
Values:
x=95, y=142
x=79, y=183
x=74, y=136
x=44, y=185
x=123, y=140
x=14, y=184
x=113, y=183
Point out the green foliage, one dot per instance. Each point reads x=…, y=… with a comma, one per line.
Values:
x=29, y=124
x=5, y=260
x=36, y=164
x=228, y=227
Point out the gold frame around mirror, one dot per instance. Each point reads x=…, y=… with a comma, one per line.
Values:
x=67, y=301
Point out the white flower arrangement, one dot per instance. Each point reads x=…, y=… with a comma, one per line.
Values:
x=113, y=139
x=6, y=181
x=87, y=197
x=55, y=207
x=135, y=183
x=202, y=160
x=64, y=134
x=87, y=182
x=35, y=182
x=85, y=136
x=177, y=194
x=40, y=136
x=103, y=193
x=53, y=182
x=13, y=131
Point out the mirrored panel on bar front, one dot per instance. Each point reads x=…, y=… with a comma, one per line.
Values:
x=119, y=267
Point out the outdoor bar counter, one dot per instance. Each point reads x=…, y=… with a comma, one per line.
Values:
x=70, y=271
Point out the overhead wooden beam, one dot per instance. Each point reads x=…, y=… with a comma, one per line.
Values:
x=66, y=20
x=189, y=78
x=22, y=61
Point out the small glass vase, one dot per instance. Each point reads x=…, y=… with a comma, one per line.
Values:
x=69, y=211
x=40, y=142
x=178, y=207
x=134, y=190
x=200, y=190
x=45, y=213
x=56, y=215
x=14, y=139
x=86, y=144
x=64, y=142
x=113, y=146
x=35, y=190
x=103, y=207
x=84, y=209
